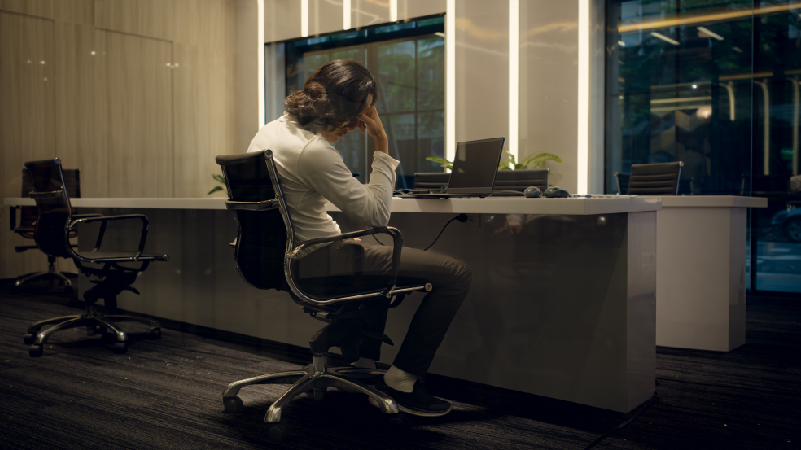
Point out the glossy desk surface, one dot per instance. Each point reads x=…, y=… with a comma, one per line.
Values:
x=499, y=205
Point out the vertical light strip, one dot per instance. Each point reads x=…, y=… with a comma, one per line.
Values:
x=260, y=51
x=583, y=144
x=346, y=14
x=512, y=143
x=393, y=10
x=304, y=18
x=450, y=80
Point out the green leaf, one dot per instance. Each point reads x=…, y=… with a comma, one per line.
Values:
x=219, y=178
x=216, y=188
x=441, y=161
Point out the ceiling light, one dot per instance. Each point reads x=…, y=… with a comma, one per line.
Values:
x=665, y=38
x=695, y=86
x=621, y=43
x=710, y=33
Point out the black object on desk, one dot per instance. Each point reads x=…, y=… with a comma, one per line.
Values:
x=266, y=255
x=54, y=225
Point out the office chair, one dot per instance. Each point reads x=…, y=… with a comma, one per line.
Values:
x=266, y=257
x=51, y=234
x=650, y=179
x=27, y=224
x=505, y=180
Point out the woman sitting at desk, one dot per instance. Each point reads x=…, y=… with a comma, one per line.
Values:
x=335, y=100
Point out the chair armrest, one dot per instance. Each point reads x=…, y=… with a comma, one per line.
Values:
x=397, y=241
x=84, y=216
x=105, y=220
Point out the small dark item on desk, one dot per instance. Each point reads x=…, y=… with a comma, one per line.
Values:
x=532, y=192
x=411, y=191
x=506, y=193
x=555, y=192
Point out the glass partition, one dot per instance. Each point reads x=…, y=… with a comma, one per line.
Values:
x=714, y=84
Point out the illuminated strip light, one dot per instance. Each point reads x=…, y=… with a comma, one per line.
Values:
x=705, y=18
x=665, y=38
x=260, y=52
x=711, y=33
x=583, y=144
x=346, y=14
x=304, y=18
x=450, y=80
x=393, y=10
x=513, y=143
x=681, y=99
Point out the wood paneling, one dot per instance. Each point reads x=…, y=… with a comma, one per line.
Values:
x=26, y=120
x=139, y=116
x=38, y=8
x=74, y=11
x=151, y=18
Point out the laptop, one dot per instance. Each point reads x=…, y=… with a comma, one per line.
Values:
x=474, y=170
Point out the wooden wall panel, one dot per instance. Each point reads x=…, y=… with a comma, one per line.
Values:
x=26, y=120
x=38, y=8
x=151, y=18
x=74, y=11
x=139, y=116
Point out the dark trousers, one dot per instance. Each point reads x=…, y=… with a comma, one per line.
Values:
x=350, y=266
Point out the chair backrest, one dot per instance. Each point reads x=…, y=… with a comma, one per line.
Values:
x=654, y=179
x=262, y=237
x=622, y=180
x=517, y=180
x=431, y=180
x=29, y=214
x=53, y=204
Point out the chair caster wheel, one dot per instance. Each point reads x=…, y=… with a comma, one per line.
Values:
x=35, y=350
x=120, y=348
x=277, y=431
x=233, y=404
x=28, y=339
x=155, y=333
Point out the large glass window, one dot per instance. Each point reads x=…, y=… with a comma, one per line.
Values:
x=714, y=84
x=408, y=62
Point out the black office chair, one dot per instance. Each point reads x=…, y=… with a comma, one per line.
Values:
x=27, y=225
x=507, y=182
x=266, y=256
x=114, y=272
x=650, y=179
x=510, y=181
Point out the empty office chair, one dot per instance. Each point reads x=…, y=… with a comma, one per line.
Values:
x=506, y=181
x=27, y=224
x=650, y=179
x=519, y=180
x=266, y=257
x=113, y=272
x=434, y=181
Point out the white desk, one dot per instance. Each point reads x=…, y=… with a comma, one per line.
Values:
x=700, y=282
x=563, y=306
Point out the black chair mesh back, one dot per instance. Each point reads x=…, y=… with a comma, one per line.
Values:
x=654, y=179
x=519, y=180
x=29, y=214
x=261, y=242
x=434, y=181
x=53, y=205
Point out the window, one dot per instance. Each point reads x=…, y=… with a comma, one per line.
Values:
x=408, y=61
x=714, y=84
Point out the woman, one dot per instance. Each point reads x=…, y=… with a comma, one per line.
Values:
x=337, y=99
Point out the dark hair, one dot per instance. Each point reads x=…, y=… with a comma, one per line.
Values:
x=333, y=95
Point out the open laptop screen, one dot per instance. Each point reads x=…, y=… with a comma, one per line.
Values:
x=475, y=166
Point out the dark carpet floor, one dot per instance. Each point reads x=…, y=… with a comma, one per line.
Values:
x=166, y=393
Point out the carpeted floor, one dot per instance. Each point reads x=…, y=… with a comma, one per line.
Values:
x=166, y=393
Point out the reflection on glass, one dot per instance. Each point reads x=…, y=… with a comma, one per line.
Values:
x=715, y=85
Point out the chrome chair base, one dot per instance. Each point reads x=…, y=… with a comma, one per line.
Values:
x=39, y=275
x=94, y=323
x=315, y=378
